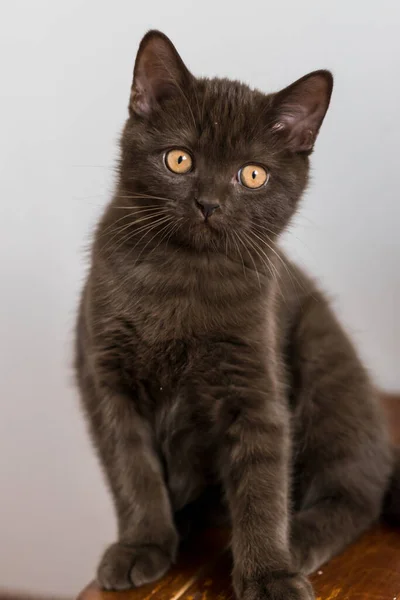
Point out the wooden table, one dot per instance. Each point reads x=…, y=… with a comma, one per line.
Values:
x=368, y=569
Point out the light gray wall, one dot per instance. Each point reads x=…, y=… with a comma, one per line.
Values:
x=64, y=84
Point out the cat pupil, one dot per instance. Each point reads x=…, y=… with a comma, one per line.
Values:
x=254, y=174
x=180, y=159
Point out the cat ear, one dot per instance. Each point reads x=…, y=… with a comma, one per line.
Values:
x=300, y=109
x=159, y=73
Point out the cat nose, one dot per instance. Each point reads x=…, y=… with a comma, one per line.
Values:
x=207, y=207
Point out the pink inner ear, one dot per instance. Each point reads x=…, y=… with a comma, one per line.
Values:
x=151, y=73
x=301, y=109
x=140, y=99
x=159, y=71
x=279, y=126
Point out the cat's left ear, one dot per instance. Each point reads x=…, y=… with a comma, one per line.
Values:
x=300, y=109
x=159, y=73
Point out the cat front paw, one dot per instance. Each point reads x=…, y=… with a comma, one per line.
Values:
x=126, y=566
x=275, y=587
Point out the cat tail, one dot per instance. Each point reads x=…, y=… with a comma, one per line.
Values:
x=391, y=504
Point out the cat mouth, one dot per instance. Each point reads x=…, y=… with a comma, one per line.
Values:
x=207, y=225
x=209, y=222
x=204, y=230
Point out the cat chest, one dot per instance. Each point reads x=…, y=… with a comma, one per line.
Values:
x=185, y=442
x=167, y=316
x=161, y=366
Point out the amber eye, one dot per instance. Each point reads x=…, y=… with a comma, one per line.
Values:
x=253, y=176
x=178, y=161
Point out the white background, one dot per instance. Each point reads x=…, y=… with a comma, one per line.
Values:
x=65, y=76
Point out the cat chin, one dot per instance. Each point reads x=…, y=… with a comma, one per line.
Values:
x=202, y=236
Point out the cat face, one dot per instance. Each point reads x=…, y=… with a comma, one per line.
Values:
x=224, y=164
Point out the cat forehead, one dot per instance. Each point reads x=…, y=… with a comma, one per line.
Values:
x=222, y=114
x=223, y=100
x=220, y=92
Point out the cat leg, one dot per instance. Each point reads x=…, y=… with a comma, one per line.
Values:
x=147, y=539
x=343, y=457
x=342, y=513
x=251, y=423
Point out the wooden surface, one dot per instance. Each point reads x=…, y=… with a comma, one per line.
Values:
x=368, y=569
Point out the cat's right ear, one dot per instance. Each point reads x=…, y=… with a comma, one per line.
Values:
x=159, y=73
x=300, y=110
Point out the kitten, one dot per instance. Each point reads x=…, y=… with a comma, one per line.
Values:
x=212, y=371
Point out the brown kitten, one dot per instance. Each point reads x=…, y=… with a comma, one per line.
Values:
x=213, y=373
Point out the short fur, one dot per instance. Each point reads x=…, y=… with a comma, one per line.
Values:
x=212, y=370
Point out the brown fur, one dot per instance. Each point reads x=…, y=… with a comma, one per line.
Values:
x=213, y=372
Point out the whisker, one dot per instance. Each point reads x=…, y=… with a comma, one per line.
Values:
x=264, y=228
x=259, y=253
x=135, y=207
x=275, y=274
x=146, y=233
x=151, y=239
x=271, y=268
x=267, y=258
x=119, y=229
x=168, y=233
x=139, y=212
x=140, y=195
x=143, y=228
x=290, y=274
x=251, y=258
x=131, y=215
x=175, y=230
x=270, y=261
x=240, y=254
x=289, y=230
x=226, y=244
